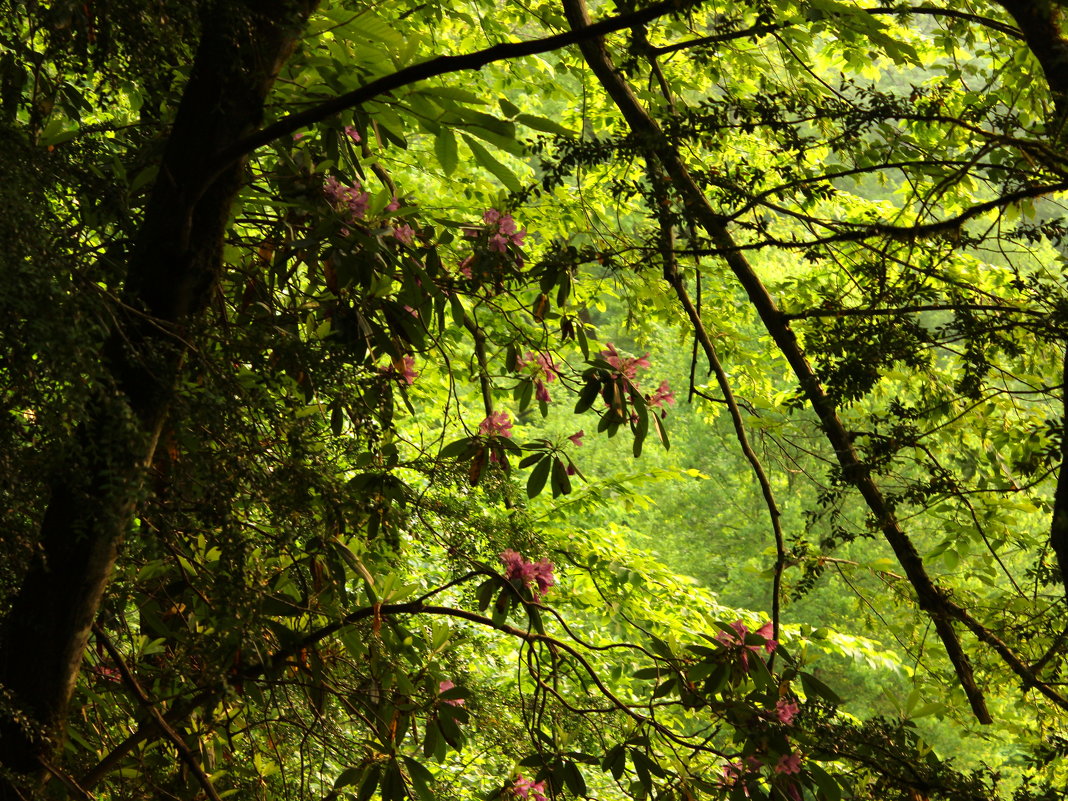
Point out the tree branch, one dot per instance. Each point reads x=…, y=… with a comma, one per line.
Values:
x=441, y=65
x=931, y=598
x=176, y=740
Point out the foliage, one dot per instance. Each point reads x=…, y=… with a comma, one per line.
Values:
x=295, y=292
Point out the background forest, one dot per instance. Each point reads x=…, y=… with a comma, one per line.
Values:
x=533, y=400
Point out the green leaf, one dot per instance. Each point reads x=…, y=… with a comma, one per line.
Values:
x=543, y=124
x=573, y=779
x=498, y=170
x=446, y=151
x=422, y=779
x=588, y=394
x=509, y=108
x=830, y=790
x=538, y=476
x=814, y=686
x=348, y=777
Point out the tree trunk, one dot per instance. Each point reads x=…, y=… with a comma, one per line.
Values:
x=173, y=267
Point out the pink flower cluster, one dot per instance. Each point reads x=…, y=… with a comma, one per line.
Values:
x=625, y=366
x=405, y=370
x=786, y=711
x=628, y=367
x=497, y=424
x=545, y=369
x=503, y=230
x=448, y=685
x=662, y=395
x=788, y=763
x=735, y=640
x=737, y=772
x=528, y=789
x=403, y=233
x=346, y=198
x=518, y=568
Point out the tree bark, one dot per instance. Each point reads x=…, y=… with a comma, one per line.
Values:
x=173, y=266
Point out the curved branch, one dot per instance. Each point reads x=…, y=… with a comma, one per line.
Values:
x=441, y=65
x=931, y=598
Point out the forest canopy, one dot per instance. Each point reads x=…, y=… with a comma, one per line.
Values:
x=533, y=401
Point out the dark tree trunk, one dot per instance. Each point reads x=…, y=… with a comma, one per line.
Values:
x=172, y=269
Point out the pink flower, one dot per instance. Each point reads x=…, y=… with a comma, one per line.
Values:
x=543, y=576
x=788, y=763
x=448, y=685
x=662, y=395
x=517, y=568
x=393, y=204
x=734, y=773
x=546, y=367
x=497, y=424
x=576, y=438
x=298, y=136
x=405, y=234
x=786, y=711
x=625, y=366
x=733, y=770
x=765, y=631
x=530, y=790
x=736, y=641
x=465, y=266
x=108, y=673
x=502, y=231
x=404, y=369
x=740, y=630
x=352, y=133
x=541, y=392
x=352, y=198
x=409, y=373
x=332, y=189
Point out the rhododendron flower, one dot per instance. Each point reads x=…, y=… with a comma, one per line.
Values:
x=734, y=773
x=448, y=685
x=576, y=438
x=786, y=711
x=393, y=204
x=765, y=631
x=662, y=395
x=736, y=640
x=530, y=790
x=465, y=266
x=497, y=424
x=541, y=392
x=502, y=230
x=352, y=198
x=546, y=367
x=788, y=763
x=517, y=568
x=409, y=375
x=404, y=369
x=405, y=234
x=108, y=673
x=352, y=133
x=625, y=366
x=298, y=136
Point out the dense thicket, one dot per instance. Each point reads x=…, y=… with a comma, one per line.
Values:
x=299, y=297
